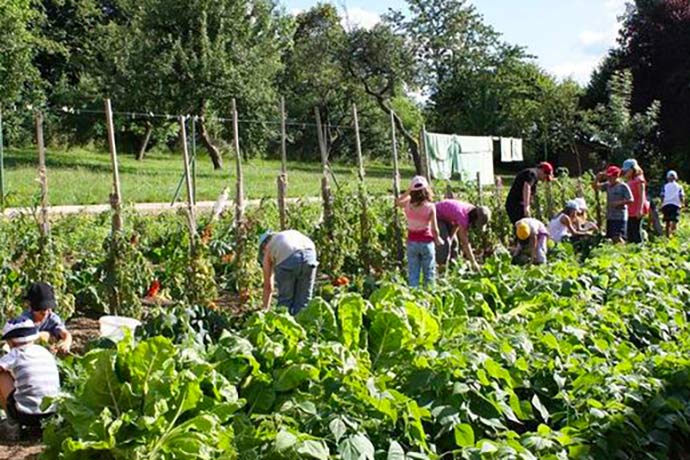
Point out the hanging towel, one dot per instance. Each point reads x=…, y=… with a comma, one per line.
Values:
x=477, y=156
x=516, y=149
x=442, y=150
x=506, y=149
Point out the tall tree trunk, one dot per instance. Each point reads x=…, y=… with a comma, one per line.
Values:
x=206, y=140
x=145, y=142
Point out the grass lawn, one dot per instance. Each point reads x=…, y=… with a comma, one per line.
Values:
x=82, y=176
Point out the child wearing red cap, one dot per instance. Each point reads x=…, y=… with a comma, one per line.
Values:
x=618, y=198
x=422, y=231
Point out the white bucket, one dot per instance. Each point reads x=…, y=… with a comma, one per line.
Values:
x=114, y=327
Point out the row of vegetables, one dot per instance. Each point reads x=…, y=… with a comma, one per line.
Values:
x=581, y=360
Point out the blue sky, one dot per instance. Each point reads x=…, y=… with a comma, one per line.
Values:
x=568, y=37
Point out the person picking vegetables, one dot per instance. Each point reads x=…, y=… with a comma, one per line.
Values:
x=535, y=234
x=565, y=226
x=289, y=258
x=422, y=231
x=28, y=374
x=618, y=198
x=454, y=220
x=40, y=299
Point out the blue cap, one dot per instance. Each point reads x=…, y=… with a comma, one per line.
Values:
x=262, y=239
x=629, y=164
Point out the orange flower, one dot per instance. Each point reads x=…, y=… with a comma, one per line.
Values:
x=153, y=289
x=341, y=281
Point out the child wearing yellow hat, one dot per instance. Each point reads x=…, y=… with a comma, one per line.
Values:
x=534, y=232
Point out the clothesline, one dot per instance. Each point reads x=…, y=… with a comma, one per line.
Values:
x=170, y=117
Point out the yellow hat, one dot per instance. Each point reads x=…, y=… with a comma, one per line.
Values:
x=523, y=230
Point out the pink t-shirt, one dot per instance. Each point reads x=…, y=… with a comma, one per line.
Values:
x=454, y=212
x=635, y=185
x=419, y=223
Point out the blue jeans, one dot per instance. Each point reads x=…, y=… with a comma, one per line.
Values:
x=421, y=257
x=295, y=277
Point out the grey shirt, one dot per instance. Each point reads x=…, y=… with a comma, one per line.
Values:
x=51, y=324
x=617, y=192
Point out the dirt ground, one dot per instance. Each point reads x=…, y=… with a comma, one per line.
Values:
x=83, y=330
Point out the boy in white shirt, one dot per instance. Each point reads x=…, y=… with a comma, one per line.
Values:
x=28, y=374
x=674, y=197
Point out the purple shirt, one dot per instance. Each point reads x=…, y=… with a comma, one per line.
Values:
x=454, y=212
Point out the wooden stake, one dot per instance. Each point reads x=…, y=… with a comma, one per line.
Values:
x=282, y=178
x=396, y=193
x=549, y=200
x=325, y=186
x=188, y=179
x=358, y=144
x=239, y=192
x=42, y=177
x=480, y=198
x=425, y=154
x=115, y=195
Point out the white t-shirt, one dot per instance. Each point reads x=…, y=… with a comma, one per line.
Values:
x=35, y=375
x=673, y=194
x=557, y=231
x=284, y=244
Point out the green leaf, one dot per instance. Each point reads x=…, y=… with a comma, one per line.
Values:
x=338, y=428
x=313, y=449
x=350, y=311
x=536, y=402
x=395, y=451
x=318, y=319
x=356, y=447
x=294, y=376
x=285, y=440
x=389, y=333
x=464, y=435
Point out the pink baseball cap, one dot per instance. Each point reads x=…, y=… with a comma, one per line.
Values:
x=419, y=183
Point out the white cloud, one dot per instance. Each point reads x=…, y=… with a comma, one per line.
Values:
x=359, y=17
x=600, y=37
x=579, y=70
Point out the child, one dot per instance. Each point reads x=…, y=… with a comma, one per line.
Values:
x=618, y=198
x=565, y=224
x=639, y=208
x=534, y=232
x=41, y=301
x=28, y=373
x=674, y=197
x=422, y=231
x=581, y=218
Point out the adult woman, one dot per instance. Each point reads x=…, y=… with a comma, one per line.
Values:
x=454, y=220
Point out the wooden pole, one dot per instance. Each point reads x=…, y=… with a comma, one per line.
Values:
x=282, y=177
x=188, y=179
x=358, y=144
x=239, y=192
x=549, y=200
x=42, y=177
x=115, y=195
x=480, y=197
x=396, y=193
x=2, y=167
x=325, y=186
x=425, y=154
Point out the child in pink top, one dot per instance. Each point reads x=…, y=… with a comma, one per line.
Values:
x=634, y=176
x=422, y=231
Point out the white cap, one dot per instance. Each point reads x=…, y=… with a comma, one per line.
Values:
x=581, y=204
x=419, y=183
x=572, y=204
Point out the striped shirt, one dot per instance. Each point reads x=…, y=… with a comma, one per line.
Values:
x=35, y=376
x=51, y=323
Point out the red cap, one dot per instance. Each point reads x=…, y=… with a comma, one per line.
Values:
x=613, y=171
x=547, y=169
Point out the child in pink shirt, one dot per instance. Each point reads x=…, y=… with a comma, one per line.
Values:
x=422, y=231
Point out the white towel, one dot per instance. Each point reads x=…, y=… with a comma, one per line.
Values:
x=516, y=150
x=506, y=150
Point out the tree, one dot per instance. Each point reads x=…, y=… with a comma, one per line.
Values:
x=18, y=44
x=381, y=61
x=655, y=44
x=627, y=134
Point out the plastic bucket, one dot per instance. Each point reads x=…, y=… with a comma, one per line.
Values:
x=114, y=327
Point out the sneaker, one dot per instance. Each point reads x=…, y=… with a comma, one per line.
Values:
x=9, y=430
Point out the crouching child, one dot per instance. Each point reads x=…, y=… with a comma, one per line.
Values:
x=28, y=374
x=535, y=233
x=40, y=298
